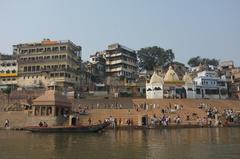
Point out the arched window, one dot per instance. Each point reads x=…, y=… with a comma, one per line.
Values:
x=149, y=89
x=157, y=88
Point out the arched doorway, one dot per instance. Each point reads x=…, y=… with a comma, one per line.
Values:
x=73, y=121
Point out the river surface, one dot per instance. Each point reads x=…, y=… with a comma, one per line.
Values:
x=205, y=143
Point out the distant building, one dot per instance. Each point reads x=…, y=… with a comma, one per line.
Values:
x=8, y=71
x=115, y=67
x=209, y=85
x=205, y=85
x=42, y=62
x=235, y=85
x=226, y=65
x=97, y=67
x=167, y=86
x=121, y=62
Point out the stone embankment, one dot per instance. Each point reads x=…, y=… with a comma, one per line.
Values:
x=131, y=109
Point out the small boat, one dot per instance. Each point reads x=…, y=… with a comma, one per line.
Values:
x=68, y=129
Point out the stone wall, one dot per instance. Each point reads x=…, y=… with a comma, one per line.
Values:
x=16, y=118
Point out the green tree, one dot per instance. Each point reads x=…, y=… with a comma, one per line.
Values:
x=213, y=61
x=151, y=57
x=7, y=91
x=195, y=61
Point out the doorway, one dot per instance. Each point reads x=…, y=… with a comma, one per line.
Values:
x=74, y=121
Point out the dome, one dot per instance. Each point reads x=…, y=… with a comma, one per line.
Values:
x=171, y=75
x=187, y=78
x=156, y=79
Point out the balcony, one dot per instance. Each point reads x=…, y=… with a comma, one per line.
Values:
x=120, y=54
x=70, y=70
x=121, y=62
x=40, y=60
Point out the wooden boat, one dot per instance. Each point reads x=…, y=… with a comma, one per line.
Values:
x=67, y=129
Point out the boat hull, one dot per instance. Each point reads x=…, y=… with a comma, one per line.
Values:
x=70, y=129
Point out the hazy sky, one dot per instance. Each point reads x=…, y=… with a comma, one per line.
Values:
x=208, y=28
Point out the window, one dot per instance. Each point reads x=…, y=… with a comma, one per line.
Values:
x=198, y=91
x=211, y=91
x=37, y=110
x=55, y=49
x=43, y=111
x=224, y=91
x=157, y=88
x=149, y=89
x=49, y=110
x=62, y=48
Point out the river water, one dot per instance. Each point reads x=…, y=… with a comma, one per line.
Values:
x=205, y=143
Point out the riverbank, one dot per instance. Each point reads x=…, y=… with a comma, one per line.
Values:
x=172, y=126
x=142, y=110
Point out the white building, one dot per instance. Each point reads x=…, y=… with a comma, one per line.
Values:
x=168, y=87
x=189, y=86
x=209, y=85
x=154, y=89
x=205, y=85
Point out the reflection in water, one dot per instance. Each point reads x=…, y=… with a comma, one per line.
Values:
x=218, y=143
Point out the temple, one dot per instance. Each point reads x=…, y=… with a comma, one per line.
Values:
x=205, y=85
x=52, y=107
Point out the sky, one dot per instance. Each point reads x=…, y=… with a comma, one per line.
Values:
x=206, y=28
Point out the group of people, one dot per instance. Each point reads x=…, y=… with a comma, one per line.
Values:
x=211, y=112
x=98, y=106
x=118, y=122
x=164, y=120
x=231, y=115
x=42, y=124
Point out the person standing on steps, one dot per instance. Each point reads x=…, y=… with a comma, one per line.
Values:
x=6, y=125
x=89, y=121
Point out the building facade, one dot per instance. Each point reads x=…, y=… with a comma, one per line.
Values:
x=206, y=85
x=97, y=67
x=43, y=62
x=120, y=62
x=165, y=86
x=210, y=86
x=8, y=71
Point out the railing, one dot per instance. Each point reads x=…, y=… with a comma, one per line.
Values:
x=51, y=70
x=40, y=60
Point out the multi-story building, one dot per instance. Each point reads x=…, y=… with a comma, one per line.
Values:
x=97, y=67
x=43, y=62
x=121, y=62
x=116, y=66
x=8, y=71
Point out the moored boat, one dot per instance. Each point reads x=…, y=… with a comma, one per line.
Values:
x=67, y=129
